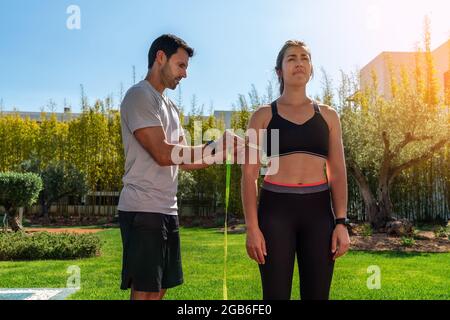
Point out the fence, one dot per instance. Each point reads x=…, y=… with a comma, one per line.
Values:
x=419, y=194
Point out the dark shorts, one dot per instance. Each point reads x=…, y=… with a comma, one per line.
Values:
x=151, y=251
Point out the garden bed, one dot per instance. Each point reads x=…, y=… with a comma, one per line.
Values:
x=62, y=230
x=383, y=242
x=421, y=238
x=60, y=221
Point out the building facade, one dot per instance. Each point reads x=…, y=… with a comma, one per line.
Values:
x=398, y=60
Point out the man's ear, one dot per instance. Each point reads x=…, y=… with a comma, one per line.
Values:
x=161, y=57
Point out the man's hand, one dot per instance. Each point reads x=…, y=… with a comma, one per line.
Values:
x=230, y=143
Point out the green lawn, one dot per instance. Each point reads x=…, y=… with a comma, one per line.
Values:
x=403, y=275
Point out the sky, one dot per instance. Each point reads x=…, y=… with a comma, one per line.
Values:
x=236, y=44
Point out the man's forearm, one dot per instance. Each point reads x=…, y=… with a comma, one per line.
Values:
x=190, y=167
x=191, y=157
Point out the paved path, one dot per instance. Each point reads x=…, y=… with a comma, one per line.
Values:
x=36, y=294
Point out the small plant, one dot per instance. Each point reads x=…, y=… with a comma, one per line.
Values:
x=366, y=230
x=408, y=242
x=441, y=232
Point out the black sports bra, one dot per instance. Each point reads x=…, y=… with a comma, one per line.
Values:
x=311, y=137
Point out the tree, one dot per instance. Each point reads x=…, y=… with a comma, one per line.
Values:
x=186, y=185
x=59, y=180
x=327, y=89
x=255, y=100
x=51, y=106
x=431, y=89
x=83, y=99
x=269, y=96
x=18, y=190
x=384, y=137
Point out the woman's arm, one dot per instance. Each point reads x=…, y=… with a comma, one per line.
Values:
x=337, y=177
x=336, y=170
x=256, y=246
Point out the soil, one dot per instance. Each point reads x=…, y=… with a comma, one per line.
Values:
x=383, y=242
x=62, y=230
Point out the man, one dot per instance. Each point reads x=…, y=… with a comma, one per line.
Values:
x=152, y=135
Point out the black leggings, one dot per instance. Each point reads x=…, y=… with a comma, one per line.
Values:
x=296, y=220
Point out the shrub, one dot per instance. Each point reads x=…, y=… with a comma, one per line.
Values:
x=441, y=232
x=408, y=242
x=47, y=246
x=366, y=230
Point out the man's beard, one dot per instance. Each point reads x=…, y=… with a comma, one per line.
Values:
x=167, y=77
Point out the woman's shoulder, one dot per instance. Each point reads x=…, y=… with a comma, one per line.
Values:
x=326, y=108
x=262, y=115
x=329, y=113
x=263, y=110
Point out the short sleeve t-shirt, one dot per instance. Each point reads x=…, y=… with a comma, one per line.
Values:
x=147, y=186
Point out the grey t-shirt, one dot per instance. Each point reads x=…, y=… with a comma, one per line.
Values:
x=148, y=187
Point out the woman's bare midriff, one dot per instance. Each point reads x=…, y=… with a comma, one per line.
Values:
x=297, y=168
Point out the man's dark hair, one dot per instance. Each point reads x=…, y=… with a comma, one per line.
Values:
x=169, y=44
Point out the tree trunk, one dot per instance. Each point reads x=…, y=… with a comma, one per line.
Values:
x=44, y=211
x=384, y=205
x=375, y=213
x=13, y=220
x=370, y=203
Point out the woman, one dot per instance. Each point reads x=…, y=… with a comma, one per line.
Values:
x=294, y=214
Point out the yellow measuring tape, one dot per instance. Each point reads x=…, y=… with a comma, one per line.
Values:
x=227, y=197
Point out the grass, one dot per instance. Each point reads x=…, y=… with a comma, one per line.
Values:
x=403, y=275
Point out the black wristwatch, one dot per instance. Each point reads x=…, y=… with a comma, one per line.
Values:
x=343, y=221
x=213, y=145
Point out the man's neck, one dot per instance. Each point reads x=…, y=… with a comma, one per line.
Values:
x=154, y=79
